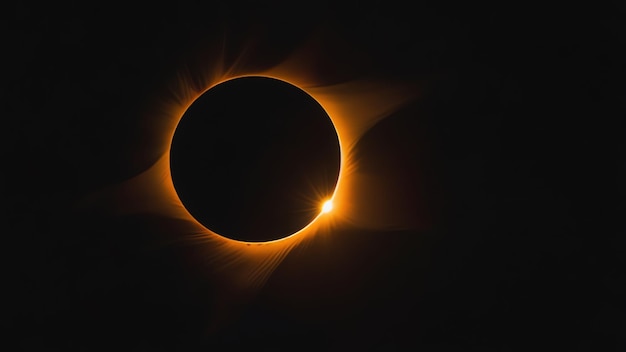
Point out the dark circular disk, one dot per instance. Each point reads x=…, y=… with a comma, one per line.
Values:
x=253, y=158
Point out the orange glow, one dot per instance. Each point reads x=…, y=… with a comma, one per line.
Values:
x=353, y=107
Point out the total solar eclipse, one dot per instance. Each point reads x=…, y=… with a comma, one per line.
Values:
x=255, y=159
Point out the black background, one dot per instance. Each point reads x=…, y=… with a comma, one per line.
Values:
x=516, y=145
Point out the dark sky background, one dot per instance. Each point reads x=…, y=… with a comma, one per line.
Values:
x=515, y=147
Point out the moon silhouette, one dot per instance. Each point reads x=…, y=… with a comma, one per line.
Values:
x=254, y=158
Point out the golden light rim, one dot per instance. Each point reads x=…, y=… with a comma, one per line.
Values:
x=339, y=175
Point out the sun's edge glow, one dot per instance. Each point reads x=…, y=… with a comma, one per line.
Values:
x=342, y=162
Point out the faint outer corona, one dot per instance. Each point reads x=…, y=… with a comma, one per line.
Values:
x=255, y=159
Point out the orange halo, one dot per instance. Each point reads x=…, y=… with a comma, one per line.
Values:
x=307, y=228
x=353, y=108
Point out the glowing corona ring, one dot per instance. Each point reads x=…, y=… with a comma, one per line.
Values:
x=233, y=115
x=353, y=107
